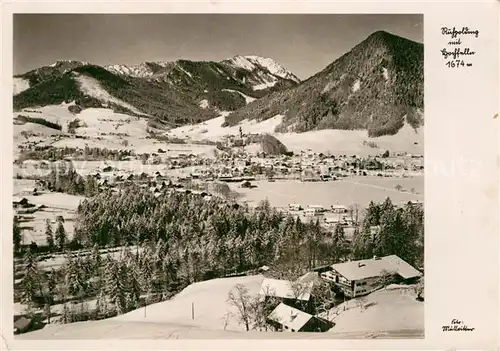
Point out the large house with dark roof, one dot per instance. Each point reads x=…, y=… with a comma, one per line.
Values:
x=358, y=278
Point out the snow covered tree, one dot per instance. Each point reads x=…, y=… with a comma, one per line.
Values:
x=133, y=284
x=16, y=234
x=116, y=285
x=60, y=235
x=240, y=298
x=49, y=235
x=31, y=282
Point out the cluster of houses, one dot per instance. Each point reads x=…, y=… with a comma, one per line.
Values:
x=306, y=166
x=329, y=217
x=296, y=311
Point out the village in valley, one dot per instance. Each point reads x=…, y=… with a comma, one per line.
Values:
x=230, y=175
x=126, y=224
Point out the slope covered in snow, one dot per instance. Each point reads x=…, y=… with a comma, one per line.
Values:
x=248, y=99
x=252, y=62
x=336, y=141
x=215, y=318
x=372, y=87
x=20, y=85
x=91, y=87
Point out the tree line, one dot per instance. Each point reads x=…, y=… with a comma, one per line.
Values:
x=180, y=239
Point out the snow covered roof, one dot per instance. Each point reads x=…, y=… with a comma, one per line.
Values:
x=339, y=207
x=362, y=269
x=289, y=317
x=331, y=219
x=17, y=199
x=284, y=289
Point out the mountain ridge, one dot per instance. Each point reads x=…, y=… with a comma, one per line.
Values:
x=377, y=85
x=181, y=92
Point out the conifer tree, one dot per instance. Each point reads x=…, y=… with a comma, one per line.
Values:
x=16, y=234
x=115, y=285
x=49, y=235
x=60, y=235
x=31, y=282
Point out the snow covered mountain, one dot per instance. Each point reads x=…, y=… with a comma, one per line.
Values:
x=179, y=92
x=268, y=71
x=377, y=86
x=259, y=72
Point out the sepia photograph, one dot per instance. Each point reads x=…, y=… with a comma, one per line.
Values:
x=218, y=176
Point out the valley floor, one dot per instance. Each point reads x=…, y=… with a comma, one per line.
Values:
x=347, y=191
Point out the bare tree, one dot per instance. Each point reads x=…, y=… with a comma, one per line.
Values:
x=324, y=297
x=362, y=303
x=398, y=187
x=240, y=298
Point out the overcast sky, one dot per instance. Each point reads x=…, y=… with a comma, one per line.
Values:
x=304, y=44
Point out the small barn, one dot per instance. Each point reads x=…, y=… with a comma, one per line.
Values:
x=20, y=202
x=286, y=318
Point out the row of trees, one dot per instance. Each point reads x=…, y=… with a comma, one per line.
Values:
x=71, y=182
x=86, y=154
x=388, y=229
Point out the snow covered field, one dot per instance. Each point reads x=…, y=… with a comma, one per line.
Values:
x=403, y=317
x=329, y=140
x=104, y=128
x=20, y=85
x=213, y=130
x=56, y=204
x=347, y=191
x=101, y=128
x=398, y=306
x=210, y=305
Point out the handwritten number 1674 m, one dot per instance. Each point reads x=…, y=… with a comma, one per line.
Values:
x=455, y=63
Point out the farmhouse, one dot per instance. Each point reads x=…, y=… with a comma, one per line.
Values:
x=357, y=278
x=289, y=319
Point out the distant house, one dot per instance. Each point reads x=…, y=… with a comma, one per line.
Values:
x=289, y=319
x=311, y=212
x=295, y=207
x=20, y=202
x=339, y=209
x=309, y=175
x=358, y=278
x=263, y=268
x=332, y=221
x=29, y=191
x=415, y=203
x=317, y=208
x=314, y=210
